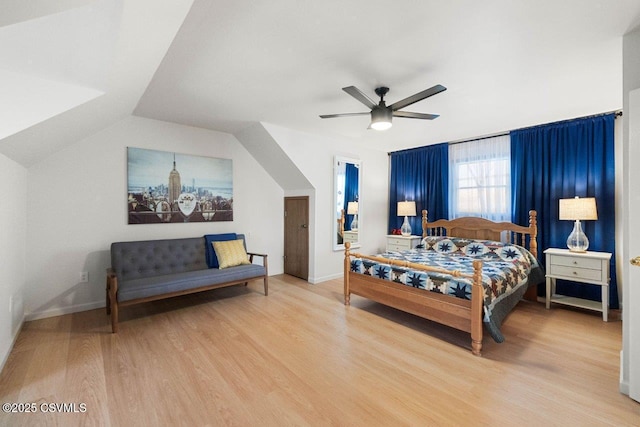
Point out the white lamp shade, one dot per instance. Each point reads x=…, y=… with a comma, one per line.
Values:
x=352, y=208
x=578, y=209
x=406, y=208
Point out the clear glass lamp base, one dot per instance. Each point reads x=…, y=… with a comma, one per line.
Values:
x=577, y=241
x=354, y=223
x=406, y=227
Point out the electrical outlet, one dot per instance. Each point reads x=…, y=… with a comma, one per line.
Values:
x=84, y=276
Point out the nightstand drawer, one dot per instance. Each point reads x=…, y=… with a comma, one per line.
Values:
x=576, y=273
x=591, y=263
x=351, y=237
x=403, y=246
x=403, y=243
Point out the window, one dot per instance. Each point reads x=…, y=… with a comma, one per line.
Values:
x=479, y=179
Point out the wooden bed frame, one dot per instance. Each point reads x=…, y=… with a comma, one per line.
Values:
x=465, y=315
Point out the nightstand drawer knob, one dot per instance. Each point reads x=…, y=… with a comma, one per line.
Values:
x=635, y=261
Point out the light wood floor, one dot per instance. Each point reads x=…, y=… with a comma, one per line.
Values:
x=300, y=357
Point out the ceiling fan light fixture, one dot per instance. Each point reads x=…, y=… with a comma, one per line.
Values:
x=381, y=118
x=381, y=115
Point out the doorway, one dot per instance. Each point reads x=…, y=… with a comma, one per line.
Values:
x=296, y=236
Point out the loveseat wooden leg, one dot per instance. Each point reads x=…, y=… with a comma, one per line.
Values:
x=114, y=318
x=266, y=275
x=112, y=298
x=108, y=302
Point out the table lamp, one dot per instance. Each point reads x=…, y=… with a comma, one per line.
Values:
x=578, y=209
x=352, y=209
x=406, y=209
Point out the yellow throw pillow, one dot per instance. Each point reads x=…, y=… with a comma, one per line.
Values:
x=230, y=253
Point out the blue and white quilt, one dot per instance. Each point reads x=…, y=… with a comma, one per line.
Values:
x=506, y=272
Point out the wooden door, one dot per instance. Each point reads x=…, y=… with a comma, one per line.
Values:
x=296, y=236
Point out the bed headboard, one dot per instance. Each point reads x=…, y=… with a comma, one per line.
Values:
x=484, y=229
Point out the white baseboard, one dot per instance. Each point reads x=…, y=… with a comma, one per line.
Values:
x=624, y=388
x=5, y=356
x=64, y=310
x=316, y=280
x=624, y=384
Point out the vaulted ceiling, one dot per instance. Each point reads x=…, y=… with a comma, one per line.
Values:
x=73, y=67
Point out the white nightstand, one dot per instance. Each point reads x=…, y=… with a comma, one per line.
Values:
x=582, y=267
x=350, y=236
x=402, y=243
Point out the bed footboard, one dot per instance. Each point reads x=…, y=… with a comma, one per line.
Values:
x=465, y=315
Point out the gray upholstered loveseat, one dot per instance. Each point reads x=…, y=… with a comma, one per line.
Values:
x=148, y=270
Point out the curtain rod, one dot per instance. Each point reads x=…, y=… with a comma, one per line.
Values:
x=480, y=138
x=617, y=113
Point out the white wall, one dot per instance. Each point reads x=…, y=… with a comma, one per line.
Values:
x=77, y=208
x=13, y=234
x=314, y=155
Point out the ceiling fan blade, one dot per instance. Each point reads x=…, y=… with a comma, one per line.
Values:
x=417, y=97
x=409, y=115
x=331, y=116
x=359, y=95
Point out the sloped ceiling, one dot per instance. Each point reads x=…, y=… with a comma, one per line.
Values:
x=73, y=67
x=259, y=142
x=50, y=65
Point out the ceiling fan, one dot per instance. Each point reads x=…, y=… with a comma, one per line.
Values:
x=381, y=114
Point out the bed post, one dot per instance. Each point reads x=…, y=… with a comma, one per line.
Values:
x=424, y=223
x=347, y=268
x=533, y=225
x=532, y=293
x=477, y=300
